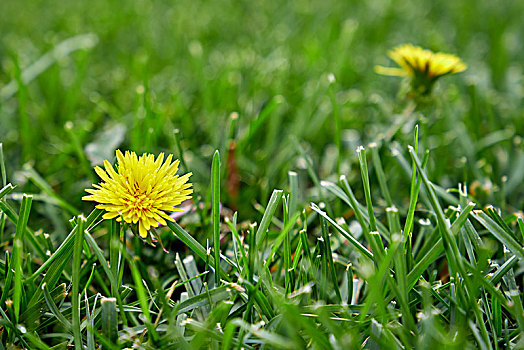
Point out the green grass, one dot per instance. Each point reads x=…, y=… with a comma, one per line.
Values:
x=299, y=237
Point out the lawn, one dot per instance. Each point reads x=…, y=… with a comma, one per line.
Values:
x=332, y=206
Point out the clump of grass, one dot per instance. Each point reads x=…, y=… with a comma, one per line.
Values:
x=299, y=277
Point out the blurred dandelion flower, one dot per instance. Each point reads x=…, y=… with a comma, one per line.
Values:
x=423, y=66
x=141, y=190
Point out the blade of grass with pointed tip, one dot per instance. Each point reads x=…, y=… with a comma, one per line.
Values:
x=336, y=118
x=75, y=293
x=415, y=188
x=349, y=276
x=329, y=259
x=266, y=218
x=180, y=150
x=288, y=282
x=374, y=239
x=361, y=152
x=297, y=255
x=381, y=176
x=215, y=183
x=293, y=192
x=18, y=250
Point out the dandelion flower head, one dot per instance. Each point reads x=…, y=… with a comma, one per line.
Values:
x=423, y=66
x=141, y=190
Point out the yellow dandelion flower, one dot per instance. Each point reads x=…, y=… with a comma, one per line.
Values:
x=423, y=66
x=141, y=190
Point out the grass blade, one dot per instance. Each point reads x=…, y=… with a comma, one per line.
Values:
x=215, y=175
x=329, y=258
x=109, y=319
x=381, y=176
x=361, y=152
x=18, y=250
x=75, y=293
x=268, y=215
x=293, y=192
